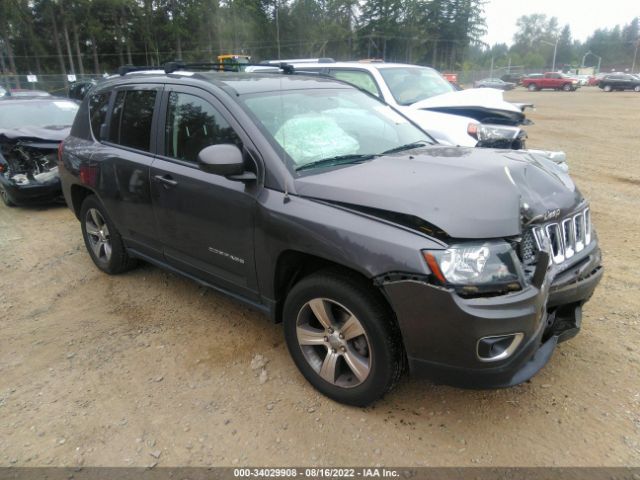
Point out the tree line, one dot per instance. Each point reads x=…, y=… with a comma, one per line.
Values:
x=537, y=36
x=97, y=36
x=94, y=36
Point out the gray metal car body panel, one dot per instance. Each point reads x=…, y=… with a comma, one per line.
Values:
x=331, y=215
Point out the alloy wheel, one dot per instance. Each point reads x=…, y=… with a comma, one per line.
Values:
x=98, y=235
x=334, y=342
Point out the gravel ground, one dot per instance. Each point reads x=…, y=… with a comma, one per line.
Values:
x=148, y=368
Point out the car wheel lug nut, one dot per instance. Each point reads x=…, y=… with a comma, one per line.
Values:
x=333, y=350
x=341, y=336
x=326, y=339
x=343, y=349
x=331, y=330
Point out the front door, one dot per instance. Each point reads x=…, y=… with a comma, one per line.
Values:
x=205, y=221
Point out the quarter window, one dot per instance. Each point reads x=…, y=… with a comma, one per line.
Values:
x=116, y=115
x=193, y=124
x=98, y=106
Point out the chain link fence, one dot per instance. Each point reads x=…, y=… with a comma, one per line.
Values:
x=56, y=84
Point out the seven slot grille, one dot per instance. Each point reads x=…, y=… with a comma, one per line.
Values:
x=566, y=237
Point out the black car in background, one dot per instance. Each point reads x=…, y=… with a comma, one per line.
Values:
x=327, y=210
x=31, y=130
x=78, y=90
x=619, y=81
x=512, y=78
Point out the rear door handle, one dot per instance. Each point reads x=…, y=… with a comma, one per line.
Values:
x=166, y=180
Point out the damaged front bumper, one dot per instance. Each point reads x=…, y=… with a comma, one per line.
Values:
x=33, y=191
x=490, y=342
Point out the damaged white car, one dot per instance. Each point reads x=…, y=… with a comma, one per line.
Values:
x=468, y=118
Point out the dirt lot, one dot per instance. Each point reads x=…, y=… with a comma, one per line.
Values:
x=149, y=368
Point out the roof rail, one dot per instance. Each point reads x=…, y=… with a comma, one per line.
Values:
x=171, y=67
x=300, y=60
x=124, y=69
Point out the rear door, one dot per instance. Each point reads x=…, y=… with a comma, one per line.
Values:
x=204, y=221
x=554, y=80
x=626, y=82
x=125, y=150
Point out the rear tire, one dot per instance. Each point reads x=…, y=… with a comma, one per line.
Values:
x=5, y=197
x=342, y=337
x=532, y=87
x=636, y=88
x=607, y=88
x=102, y=239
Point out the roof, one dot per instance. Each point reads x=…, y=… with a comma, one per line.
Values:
x=360, y=65
x=245, y=83
x=233, y=82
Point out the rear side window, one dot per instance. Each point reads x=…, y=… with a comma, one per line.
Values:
x=131, y=119
x=193, y=124
x=98, y=106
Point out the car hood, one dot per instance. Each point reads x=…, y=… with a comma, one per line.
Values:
x=464, y=193
x=487, y=105
x=54, y=134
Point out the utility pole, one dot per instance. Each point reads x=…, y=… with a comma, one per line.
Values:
x=633, y=65
x=3, y=67
x=277, y=30
x=555, y=51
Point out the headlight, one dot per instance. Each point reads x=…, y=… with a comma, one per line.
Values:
x=485, y=132
x=476, y=267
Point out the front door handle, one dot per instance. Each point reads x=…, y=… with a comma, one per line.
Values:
x=166, y=180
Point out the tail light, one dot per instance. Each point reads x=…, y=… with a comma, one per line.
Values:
x=89, y=175
x=60, y=150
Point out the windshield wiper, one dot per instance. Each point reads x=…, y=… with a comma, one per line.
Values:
x=337, y=160
x=408, y=146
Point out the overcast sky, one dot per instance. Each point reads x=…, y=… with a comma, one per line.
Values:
x=583, y=16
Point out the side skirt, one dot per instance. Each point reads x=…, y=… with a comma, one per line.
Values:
x=269, y=310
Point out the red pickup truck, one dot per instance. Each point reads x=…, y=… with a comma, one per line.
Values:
x=554, y=80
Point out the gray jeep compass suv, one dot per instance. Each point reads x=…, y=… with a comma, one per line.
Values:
x=330, y=212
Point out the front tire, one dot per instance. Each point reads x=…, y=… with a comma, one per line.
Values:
x=607, y=88
x=566, y=87
x=636, y=88
x=532, y=87
x=102, y=239
x=342, y=337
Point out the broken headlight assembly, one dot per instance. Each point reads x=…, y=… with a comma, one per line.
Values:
x=476, y=268
x=487, y=133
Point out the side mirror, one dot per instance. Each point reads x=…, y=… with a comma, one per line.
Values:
x=224, y=159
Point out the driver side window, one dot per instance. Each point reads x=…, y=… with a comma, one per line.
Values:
x=193, y=124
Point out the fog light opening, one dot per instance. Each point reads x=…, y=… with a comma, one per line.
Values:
x=498, y=347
